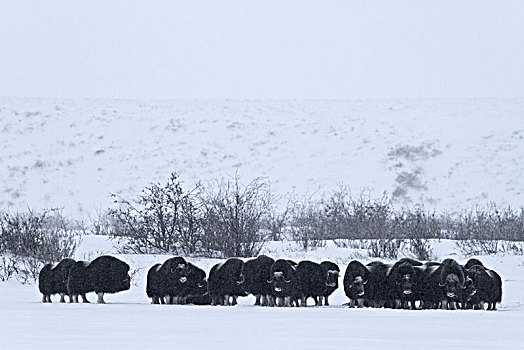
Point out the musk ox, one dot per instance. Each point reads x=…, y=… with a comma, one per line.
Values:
x=105, y=274
x=196, y=284
x=365, y=284
x=257, y=272
x=482, y=286
x=166, y=283
x=52, y=280
x=376, y=289
x=332, y=272
x=78, y=282
x=284, y=282
x=355, y=279
x=312, y=282
x=442, y=284
x=226, y=282
x=404, y=283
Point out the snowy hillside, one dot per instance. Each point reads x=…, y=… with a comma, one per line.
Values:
x=73, y=154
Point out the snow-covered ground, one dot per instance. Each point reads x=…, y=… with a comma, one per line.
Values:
x=446, y=154
x=129, y=321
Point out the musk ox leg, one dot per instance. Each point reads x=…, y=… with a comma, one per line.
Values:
x=257, y=299
x=444, y=305
x=154, y=300
x=287, y=301
x=84, y=298
x=452, y=305
x=303, y=301
x=44, y=298
x=280, y=301
x=360, y=302
x=398, y=304
x=75, y=298
x=405, y=305
x=100, y=299
x=318, y=301
x=263, y=300
x=226, y=300
x=234, y=300
x=271, y=300
x=62, y=297
x=352, y=302
x=326, y=302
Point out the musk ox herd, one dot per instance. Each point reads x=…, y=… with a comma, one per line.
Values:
x=405, y=284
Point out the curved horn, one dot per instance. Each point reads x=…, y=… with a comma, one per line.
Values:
x=287, y=281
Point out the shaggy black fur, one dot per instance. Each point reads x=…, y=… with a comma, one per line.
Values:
x=105, y=274
x=332, y=273
x=226, y=282
x=52, y=280
x=312, y=281
x=167, y=282
x=284, y=282
x=485, y=286
x=443, y=284
x=404, y=283
x=257, y=273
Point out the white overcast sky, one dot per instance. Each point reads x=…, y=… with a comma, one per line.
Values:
x=262, y=49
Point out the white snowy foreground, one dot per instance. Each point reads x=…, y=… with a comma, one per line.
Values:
x=129, y=321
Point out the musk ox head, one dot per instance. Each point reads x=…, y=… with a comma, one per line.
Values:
x=356, y=287
x=452, y=278
x=452, y=287
x=281, y=279
x=355, y=279
x=405, y=279
x=197, y=282
x=332, y=272
x=177, y=269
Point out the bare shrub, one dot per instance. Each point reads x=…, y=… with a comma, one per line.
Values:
x=8, y=268
x=489, y=230
x=384, y=248
x=162, y=220
x=45, y=237
x=233, y=217
x=102, y=223
x=307, y=224
x=28, y=269
x=419, y=248
x=371, y=218
x=276, y=221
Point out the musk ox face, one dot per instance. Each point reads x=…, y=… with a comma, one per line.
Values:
x=406, y=284
x=452, y=286
x=180, y=271
x=332, y=278
x=281, y=283
x=356, y=287
x=404, y=278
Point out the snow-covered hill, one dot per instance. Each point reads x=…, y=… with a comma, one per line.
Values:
x=73, y=154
